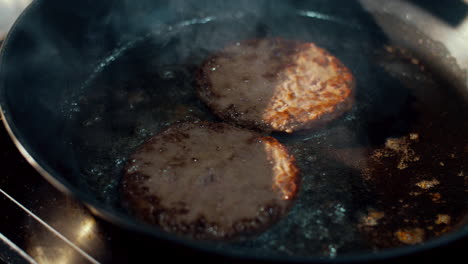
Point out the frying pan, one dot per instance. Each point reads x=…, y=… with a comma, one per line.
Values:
x=82, y=84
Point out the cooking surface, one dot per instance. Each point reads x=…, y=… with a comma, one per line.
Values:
x=369, y=180
x=102, y=242
x=85, y=239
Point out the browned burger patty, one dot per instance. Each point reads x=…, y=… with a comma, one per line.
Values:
x=275, y=84
x=210, y=180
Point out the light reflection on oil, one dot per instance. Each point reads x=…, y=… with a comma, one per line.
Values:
x=80, y=231
x=85, y=231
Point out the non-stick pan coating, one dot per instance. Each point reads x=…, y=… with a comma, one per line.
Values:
x=146, y=84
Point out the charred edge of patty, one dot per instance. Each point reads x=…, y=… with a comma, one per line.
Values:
x=339, y=110
x=344, y=78
x=292, y=183
x=147, y=207
x=234, y=116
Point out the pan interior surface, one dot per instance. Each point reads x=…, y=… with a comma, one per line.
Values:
x=364, y=177
x=390, y=173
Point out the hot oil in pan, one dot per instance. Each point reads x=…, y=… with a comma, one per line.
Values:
x=418, y=177
x=390, y=172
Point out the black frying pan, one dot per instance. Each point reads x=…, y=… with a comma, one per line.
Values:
x=84, y=83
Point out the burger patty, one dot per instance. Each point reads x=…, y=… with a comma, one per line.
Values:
x=275, y=84
x=209, y=181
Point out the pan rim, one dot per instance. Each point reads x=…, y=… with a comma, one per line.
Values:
x=125, y=222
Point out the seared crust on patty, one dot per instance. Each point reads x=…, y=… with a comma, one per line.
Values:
x=275, y=84
x=210, y=181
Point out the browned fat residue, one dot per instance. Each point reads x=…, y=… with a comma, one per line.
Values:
x=427, y=184
x=414, y=136
x=372, y=218
x=400, y=148
x=410, y=236
x=436, y=197
x=443, y=219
